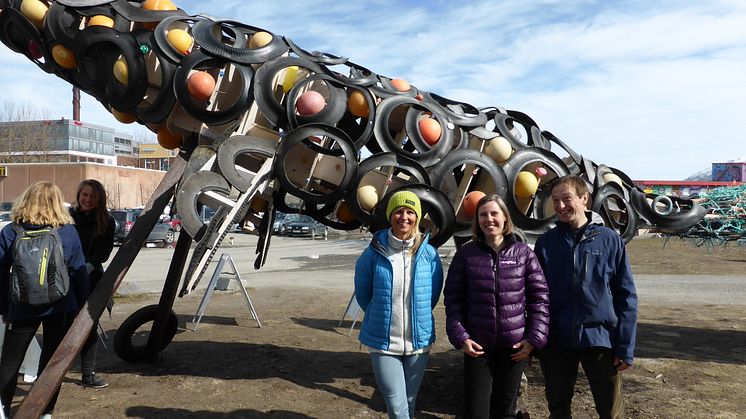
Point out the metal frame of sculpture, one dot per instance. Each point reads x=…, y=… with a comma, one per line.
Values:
x=256, y=119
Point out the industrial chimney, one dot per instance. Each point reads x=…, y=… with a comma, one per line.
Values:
x=76, y=104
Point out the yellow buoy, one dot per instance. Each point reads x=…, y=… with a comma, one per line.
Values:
x=121, y=72
x=260, y=39
x=101, y=20
x=158, y=5
x=367, y=197
x=64, y=56
x=498, y=149
x=180, y=40
x=525, y=184
x=288, y=80
x=35, y=11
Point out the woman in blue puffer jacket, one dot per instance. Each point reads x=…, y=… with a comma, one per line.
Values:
x=398, y=280
x=497, y=311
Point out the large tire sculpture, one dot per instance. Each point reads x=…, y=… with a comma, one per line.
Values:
x=253, y=112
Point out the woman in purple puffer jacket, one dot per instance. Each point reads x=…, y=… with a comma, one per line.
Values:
x=497, y=311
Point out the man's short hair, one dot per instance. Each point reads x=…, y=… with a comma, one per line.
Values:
x=575, y=182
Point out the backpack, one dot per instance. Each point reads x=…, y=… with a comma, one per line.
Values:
x=38, y=274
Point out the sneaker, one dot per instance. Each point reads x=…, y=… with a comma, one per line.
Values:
x=93, y=381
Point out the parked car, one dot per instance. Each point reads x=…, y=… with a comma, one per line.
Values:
x=278, y=226
x=304, y=225
x=4, y=219
x=162, y=234
x=175, y=223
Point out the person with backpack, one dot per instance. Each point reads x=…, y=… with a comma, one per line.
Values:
x=96, y=229
x=43, y=281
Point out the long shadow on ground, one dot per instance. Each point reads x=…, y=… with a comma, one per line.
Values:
x=312, y=369
x=689, y=343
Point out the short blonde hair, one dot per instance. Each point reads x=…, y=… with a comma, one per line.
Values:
x=41, y=204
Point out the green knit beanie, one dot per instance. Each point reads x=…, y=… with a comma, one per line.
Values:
x=404, y=199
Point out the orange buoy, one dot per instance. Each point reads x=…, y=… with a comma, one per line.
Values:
x=123, y=117
x=168, y=139
x=430, y=130
x=344, y=214
x=470, y=202
x=310, y=103
x=357, y=104
x=401, y=85
x=200, y=85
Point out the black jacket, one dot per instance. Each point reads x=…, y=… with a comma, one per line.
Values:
x=97, y=248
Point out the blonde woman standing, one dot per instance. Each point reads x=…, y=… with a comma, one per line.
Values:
x=40, y=206
x=398, y=280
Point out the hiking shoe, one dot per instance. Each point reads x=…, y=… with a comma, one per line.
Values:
x=93, y=381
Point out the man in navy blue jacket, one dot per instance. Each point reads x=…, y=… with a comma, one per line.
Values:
x=592, y=304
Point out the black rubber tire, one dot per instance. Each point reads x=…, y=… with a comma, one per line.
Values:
x=123, y=346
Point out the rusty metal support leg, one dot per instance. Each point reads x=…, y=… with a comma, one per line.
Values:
x=168, y=295
x=63, y=357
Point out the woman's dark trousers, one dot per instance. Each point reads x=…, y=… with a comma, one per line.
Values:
x=491, y=384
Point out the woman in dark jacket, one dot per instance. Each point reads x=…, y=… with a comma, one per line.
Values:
x=96, y=228
x=497, y=309
x=40, y=206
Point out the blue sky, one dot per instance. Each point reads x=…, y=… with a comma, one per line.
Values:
x=656, y=89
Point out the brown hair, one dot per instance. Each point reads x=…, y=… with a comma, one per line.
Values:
x=575, y=182
x=41, y=204
x=101, y=214
x=476, y=231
